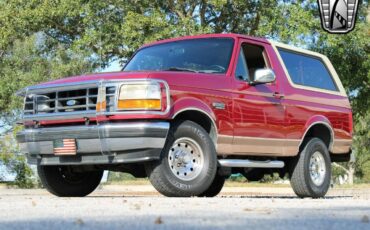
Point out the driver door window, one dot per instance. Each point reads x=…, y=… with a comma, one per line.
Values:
x=241, y=71
x=251, y=57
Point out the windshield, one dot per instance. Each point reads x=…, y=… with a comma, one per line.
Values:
x=210, y=55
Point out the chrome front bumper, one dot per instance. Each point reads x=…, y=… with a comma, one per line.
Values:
x=109, y=143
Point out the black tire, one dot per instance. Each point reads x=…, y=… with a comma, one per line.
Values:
x=301, y=180
x=215, y=188
x=62, y=181
x=161, y=174
x=255, y=174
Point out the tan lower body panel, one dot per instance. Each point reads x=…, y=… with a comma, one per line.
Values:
x=227, y=145
x=341, y=146
x=254, y=146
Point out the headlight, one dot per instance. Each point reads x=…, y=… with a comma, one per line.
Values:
x=140, y=96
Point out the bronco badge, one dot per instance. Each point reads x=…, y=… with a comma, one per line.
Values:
x=338, y=16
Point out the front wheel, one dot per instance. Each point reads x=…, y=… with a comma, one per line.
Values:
x=188, y=162
x=311, y=170
x=215, y=188
x=64, y=181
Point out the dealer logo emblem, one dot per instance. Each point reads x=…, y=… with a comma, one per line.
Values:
x=338, y=16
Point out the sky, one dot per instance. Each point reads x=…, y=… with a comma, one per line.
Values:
x=114, y=66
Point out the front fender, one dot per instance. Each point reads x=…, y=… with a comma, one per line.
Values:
x=189, y=103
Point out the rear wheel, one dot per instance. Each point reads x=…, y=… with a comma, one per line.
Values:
x=64, y=181
x=188, y=162
x=311, y=170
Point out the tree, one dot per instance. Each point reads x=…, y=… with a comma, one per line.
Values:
x=350, y=55
x=362, y=147
x=28, y=62
x=114, y=29
x=14, y=161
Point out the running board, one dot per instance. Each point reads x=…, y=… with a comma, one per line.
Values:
x=237, y=163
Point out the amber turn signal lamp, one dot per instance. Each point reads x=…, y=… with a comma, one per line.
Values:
x=139, y=104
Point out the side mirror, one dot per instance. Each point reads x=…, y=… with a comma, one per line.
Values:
x=262, y=76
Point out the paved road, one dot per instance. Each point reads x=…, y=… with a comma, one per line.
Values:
x=116, y=207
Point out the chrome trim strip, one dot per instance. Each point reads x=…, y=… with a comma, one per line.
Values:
x=122, y=158
x=251, y=163
x=69, y=85
x=108, y=130
x=60, y=116
x=265, y=138
x=135, y=129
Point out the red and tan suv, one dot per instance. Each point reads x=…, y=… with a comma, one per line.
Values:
x=187, y=113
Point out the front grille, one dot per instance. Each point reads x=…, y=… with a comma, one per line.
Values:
x=62, y=101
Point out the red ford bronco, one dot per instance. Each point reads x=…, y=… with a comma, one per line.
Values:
x=187, y=113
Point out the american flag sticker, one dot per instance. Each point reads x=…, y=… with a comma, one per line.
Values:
x=65, y=147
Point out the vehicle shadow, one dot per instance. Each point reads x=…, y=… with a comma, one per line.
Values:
x=222, y=196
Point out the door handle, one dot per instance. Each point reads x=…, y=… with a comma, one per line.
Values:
x=278, y=95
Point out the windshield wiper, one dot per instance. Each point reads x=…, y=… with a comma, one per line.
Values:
x=180, y=69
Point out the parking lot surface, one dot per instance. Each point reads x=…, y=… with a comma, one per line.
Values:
x=140, y=207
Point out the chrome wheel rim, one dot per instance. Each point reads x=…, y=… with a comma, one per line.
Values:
x=317, y=168
x=186, y=159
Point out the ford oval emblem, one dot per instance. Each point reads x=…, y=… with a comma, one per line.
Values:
x=71, y=102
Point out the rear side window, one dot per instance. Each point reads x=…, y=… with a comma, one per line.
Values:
x=307, y=70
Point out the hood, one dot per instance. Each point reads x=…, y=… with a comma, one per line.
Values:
x=173, y=78
x=98, y=76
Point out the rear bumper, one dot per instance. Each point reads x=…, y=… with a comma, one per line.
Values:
x=109, y=143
